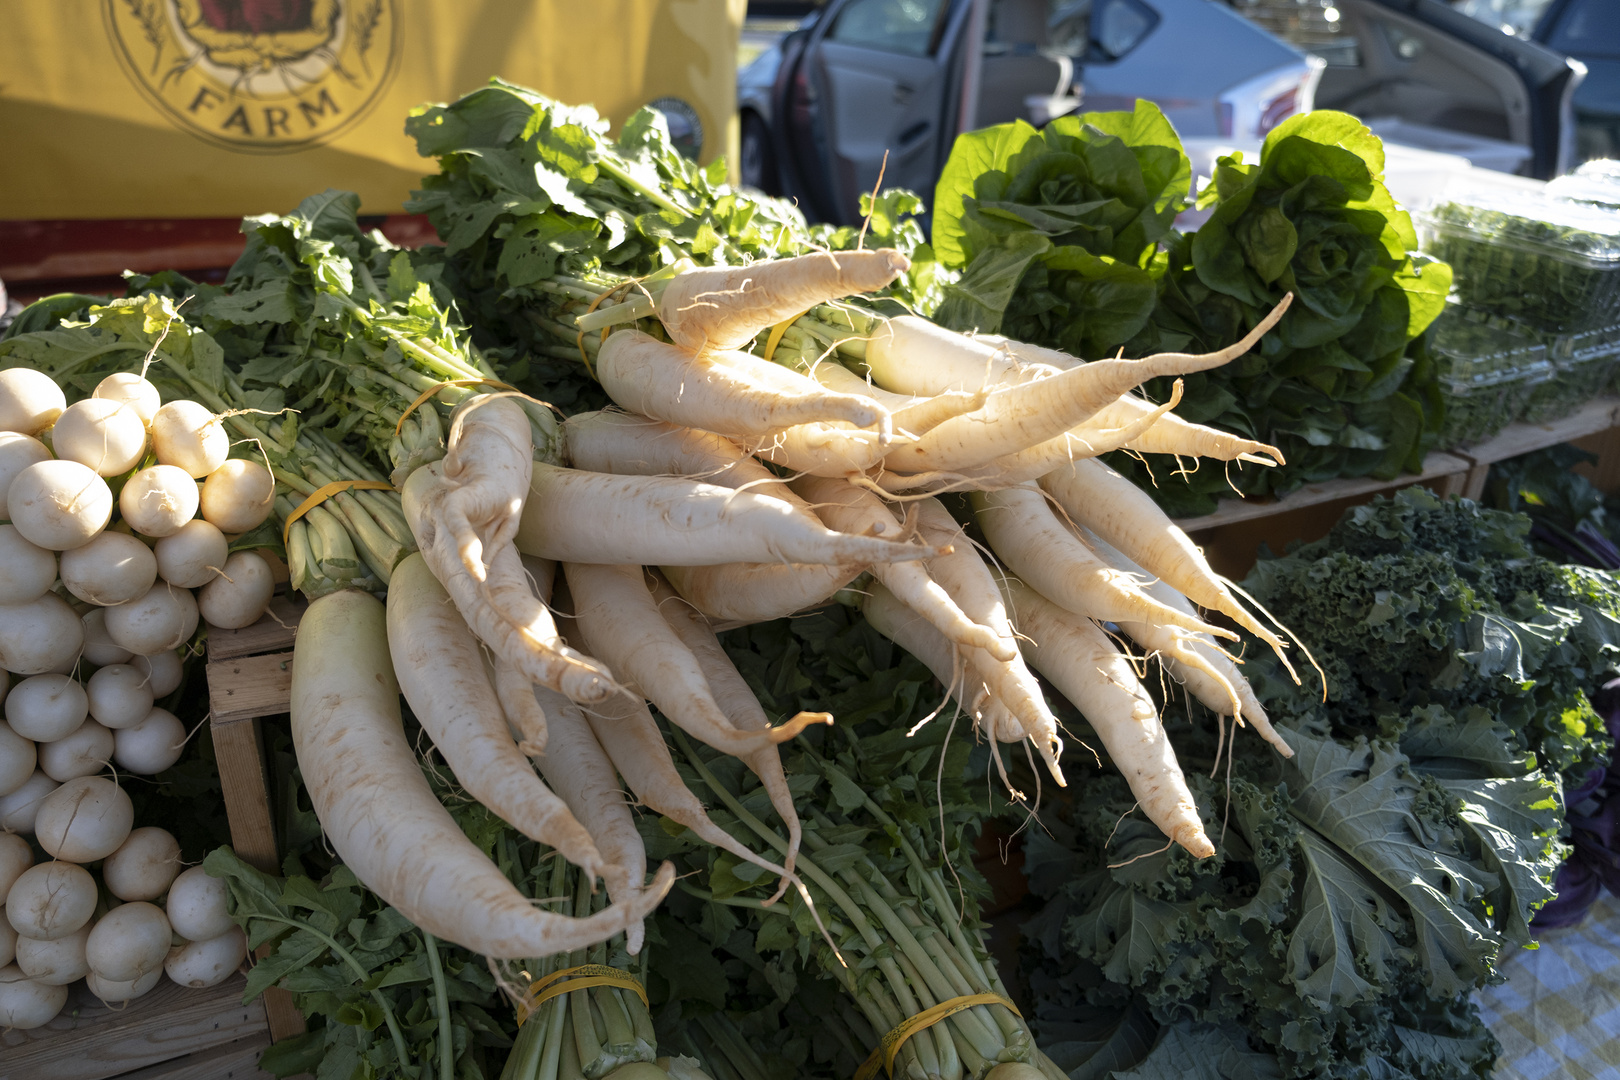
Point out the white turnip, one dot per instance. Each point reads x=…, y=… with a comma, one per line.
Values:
x=158, y=500
x=30, y=401
x=207, y=963
x=163, y=619
x=99, y=647
x=26, y=1004
x=239, y=595
x=115, y=993
x=84, y=820
x=112, y=569
x=100, y=434
x=197, y=905
x=143, y=866
x=8, y=943
x=150, y=746
x=119, y=695
x=17, y=452
x=47, y=707
x=188, y=436
x=51, y=900
x=163, y=671
x=83, y=753
x=17, y=810
x=17, y=759
x=27, y=570
x=15, y=857
x=54, y=963
x=238, y=495
x=39, y=636
x=59, y=505
x=130, y=389
x=192, y=556
x=128, y=942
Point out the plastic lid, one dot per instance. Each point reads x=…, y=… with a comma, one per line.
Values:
x=1574, y=231
x=1601, y=343
x=1475, y=347
x=1599, y=189
x=1599, y=167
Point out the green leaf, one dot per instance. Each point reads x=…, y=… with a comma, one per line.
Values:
x=979, y=299
x=973, y=155
x=1191, y=1051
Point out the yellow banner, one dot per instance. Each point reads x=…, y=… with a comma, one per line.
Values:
x=220, y=108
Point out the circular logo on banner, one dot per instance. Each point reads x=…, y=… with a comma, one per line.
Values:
x=260, y=76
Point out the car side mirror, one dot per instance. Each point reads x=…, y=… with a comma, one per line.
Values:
x=1117, y=27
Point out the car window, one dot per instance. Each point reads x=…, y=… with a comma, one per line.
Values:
x=897, y=26
x=1513, y=16
x=1589, y=28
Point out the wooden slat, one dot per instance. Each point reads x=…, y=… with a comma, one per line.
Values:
x=249, y=686
x=1515, y=439
x=274, y=631
x=234, y=1061
x=1231, y=511
x=91, y=1041
x=245, y=781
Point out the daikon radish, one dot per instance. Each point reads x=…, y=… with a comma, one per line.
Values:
x=27, y=571
x=618, y=619
x=163, y=618
x=84, y=820
x=441, y=672
x=729, y=393
x=159, y=500
x=39, y=636
x=29, y=401
x=100, y=434
x=59, y=505
x=1173, y=435
x=51, y=900
x=240, y=594
x=111, y=569
x=902, y=625
x=238, y=496
x=383, y=819
x=192, y=555
x=577, y=516
x=144, y=865
x=725, y=307
x=17, y=452
x=1083, y=664
x=188, y=436
x=18, y=756
x=851, y=509
x=626, y=445
x=133, y=390
x=757, y=592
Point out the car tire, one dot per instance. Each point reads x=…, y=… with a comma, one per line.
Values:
x=756, y=164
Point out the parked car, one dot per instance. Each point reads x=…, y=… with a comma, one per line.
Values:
x=863, y=78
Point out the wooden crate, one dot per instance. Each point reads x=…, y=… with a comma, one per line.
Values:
x=173, y=1033
x=249, y=678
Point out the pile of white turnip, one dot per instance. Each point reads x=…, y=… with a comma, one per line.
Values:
x=734, y=489
x=147, y=916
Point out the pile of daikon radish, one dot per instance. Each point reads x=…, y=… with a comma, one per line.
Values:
x=667, y=525
x=94, y=608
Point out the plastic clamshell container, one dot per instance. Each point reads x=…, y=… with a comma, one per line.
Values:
x=1551, y=264
x=1489, y=369
x=1583, y=365
x=1596, y=189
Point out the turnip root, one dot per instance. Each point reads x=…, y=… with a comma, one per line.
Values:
x=8, y=943
x=18, y=809
x=84, y=820
x=54, y=963
x=441, y=672
x=188, y=436
x=163, y=618
x=150, y=746
x=198, y=905
x=191, y=556
x=383, y=819
x=163, y=671
x=15, y=857
x=17, y=452
x=99, y=647
x=27, y=571
x=618, y=619
x=132, y=390
x=158, y=500
x=111, y=569
x=207, y=963
x=26, y=1004
x=39, y=636
x=1028, y=537
x=1083, y=664
x=238, y=496
x=114, y=993
x=119, y=696
x=17, y=760
x=29, y=401
x=51, y=900
x=130, y=941
x=46, y=707
x=728, y=393
x=59, y=505
x=757, y=592
x=144, y=865
x=852, y=509
x=501, y=611
x=83, y=753
x=240, y=595
x=100, y=434
x=725, y=307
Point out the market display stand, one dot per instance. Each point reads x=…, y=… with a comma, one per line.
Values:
x=249, y=678
x=172, y=1033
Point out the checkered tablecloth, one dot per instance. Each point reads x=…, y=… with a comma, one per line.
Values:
x=1558, y=1014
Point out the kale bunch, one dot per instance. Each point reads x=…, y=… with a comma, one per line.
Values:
x=1056, y=231
x=1341, y=385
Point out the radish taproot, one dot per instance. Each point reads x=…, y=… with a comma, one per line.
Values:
x=59, y=505
x=18, y=452
x=114, y=993
x=163, y=671
x=119, y=695
x=198, y=906
x=111, y=569
x=15, y=857
x=382, y=818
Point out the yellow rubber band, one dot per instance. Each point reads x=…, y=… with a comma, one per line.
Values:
x=889, y=1048
x=579, y=339
x=778, y=330
x=430, y=391
x=321, y=494
x=568, y=980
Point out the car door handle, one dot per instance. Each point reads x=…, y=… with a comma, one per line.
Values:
x=913, y=133
x=902, y=93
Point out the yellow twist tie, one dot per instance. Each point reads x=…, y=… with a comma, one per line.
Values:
x=778, y=330
x=575, y=978
x=321, y=494
x=434, y=389
x=889, y=1048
